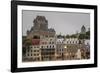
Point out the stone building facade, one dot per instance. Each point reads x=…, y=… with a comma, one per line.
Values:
x=34, y=53
x=42, y=37
x=67, y=49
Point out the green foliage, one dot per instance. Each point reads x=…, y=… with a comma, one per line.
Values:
x=73, y=36
x=84, y=36
x=88, y=33
x=60, y=36
x=67, y=36
x=26, y=44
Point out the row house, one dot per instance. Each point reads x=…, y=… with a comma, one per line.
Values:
x=48, y=46
x=67, y=49
x=33, y=53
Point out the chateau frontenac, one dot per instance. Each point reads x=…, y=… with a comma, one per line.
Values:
x=42, y=44
x=40, y=29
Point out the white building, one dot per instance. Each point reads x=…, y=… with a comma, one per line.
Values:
x=71, y=41
x=68, y=48
x=33, y=53
x=48, y=42
x=87, y=42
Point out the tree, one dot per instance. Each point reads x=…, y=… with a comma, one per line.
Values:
x=82, y=36
x=59, y=36
x=26, y=45
x=73, y=36
x=67, y=36
x=88, y=35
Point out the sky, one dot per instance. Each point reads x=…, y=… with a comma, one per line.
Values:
x=63, y=22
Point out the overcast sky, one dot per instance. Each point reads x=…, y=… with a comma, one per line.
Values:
x=64, y=23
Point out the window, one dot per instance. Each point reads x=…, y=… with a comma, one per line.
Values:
x=49, y=42
x=28, y=50
x=37, y=46
x=37, y=59
x=42, y=42
x=31, y=54
x=34, y=54
x=41, y=46
x=50, y=46
x=50, y=39
x=34, y=46
x=47, y=46
x=31, y=50
x=31, y=47
x=37, y=50
x=68, y=46
x=70, y=42
x=34, y=50
x=36, y=37
x=53, y=46
x=52, y=42
x=28, y=55
x=46, y=36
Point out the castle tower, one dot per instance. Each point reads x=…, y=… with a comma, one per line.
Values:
x=40, y=23
x=83, y=29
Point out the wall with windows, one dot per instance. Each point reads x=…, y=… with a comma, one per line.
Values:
x=34, y=53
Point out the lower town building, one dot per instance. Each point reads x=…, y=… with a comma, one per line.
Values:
x=67, y=49
x=47, y=54
x=73, y=51
x=68, y=52
x=34, y=53
x=85, y=52
x=48, y=48
x=60, y=49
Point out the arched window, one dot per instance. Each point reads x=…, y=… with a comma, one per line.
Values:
x=52, y=42
x=50, y=46
x=49, y=42
x=53, y=46
x=76, y=42
x=70, y=42
x=36, y=37
x=67, y=42
x=73, y=42
x=41, y=46
x=47, y=46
